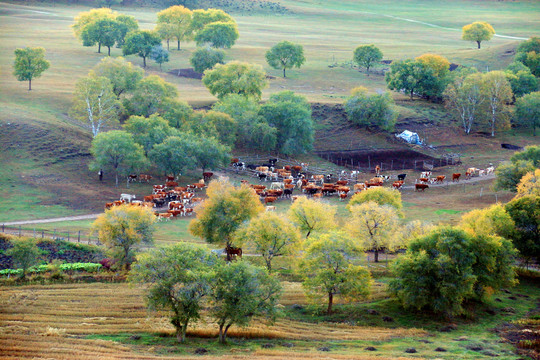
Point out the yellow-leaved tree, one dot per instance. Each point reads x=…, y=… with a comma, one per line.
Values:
x=529, y=184
x=478, y=31
x=123, y=228
x=493, y=220
x=380, y=196
x=439, y=64
x=174, y=22
x=86, y=17
x=312, y=216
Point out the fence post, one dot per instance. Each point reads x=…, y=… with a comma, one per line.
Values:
x=68, y=235
x=79, y=237
x=42, y=234
x=54, y=234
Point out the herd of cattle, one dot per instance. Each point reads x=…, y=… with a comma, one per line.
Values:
x=172, y=200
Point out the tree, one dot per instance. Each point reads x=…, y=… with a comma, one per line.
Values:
x=448, y=267
x=103, y=32
x=271, y=235
x=218, y=35
x=367, y=55
x=494, y=220
x=24, y=254
x=211, y=154
x=380, y=196
x=174, y=22
x=225, y=210
x=150, y=96
x=330, y=267
x=176, y=278
x=140, y=42
x=235, y=78
x=525, y=211
x=522, y=162
x=464, y=98
x=213, y=124
x=528, y=52
x=148, y=132
x=312, y=216
x=498, y=93
x=108, y=3
x=123, y=76
x=201, y=18
x=205, y=58
x=285, y=55
x=439, y=64
x=88, y=17
x=530, y=153
x=529, y=184
x=522, y=81
x=126, y=24
x=176, y=112
x=290, y=114
x=478, y=31
x=241, y=291
x=371, y=110
x=29, y=64
x=117, y=151
x=95, y=103
x=410, y=231
x=413, y=77
x=159, y=55
x=123, y=228
x=175, y=154
x=373, y=226
x=527, y=112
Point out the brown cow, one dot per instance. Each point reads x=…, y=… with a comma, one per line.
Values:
x=420, y=187
x=109, y=205
x=175, y=213
x=318, y=195
x=342, y=196
x=342, y=182
x=234, y=160
x=287, y=181
x=170, y=178
x=269, y=199
x=424, y=180
x=397, y=185
x=455, y=177
x=440, y=179
x=171, y=184
x=297, y=168
x=188, y=211
x=144, y=177
x=377, y=169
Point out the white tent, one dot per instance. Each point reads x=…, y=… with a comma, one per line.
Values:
x=410, y=137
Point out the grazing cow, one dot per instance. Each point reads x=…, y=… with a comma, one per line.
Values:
x=354, y=174
x=118, y=202
x=472, y=171
x=481, y=172
x=425, y=174
x=317, y=195
x=132, y=178
x=468, y=175
x=424, y=180
x=440, y=179
x=232, y=252
x=397, y=185
x=164, y=216
x=376, y=180
x=148, y=198
x=180, y=189
x=377, y=170
x=342, y=182
x=170, y=178
x=171, y=184
x=262, y=176
x=401, y=177
x=317, y=178
x=159, y=202
x=175, y=213
x=294, y=198
x=287, y=167
x=188, y=211
x=359, y=187
x=108, y=205
x=137, y=203
x=455, y=177
x=144, y=177
x=270, y=208
x=270, y=199
x=420, y=187
x=296, y=168
x=272, y=161
x=196, y=200
x=287, y=181
x=490, y=170
x=287, y=192
x=277, y=185
x=148, y=204
x=207, y=175
x=262, y=169
x=383, y=177
x=342, y=196
x=175, y=205
x=370, y=184
x=127, y=197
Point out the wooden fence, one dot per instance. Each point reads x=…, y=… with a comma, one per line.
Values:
x=76, y=236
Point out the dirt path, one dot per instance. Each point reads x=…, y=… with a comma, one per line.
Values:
x=449, y=182
x=42, y=221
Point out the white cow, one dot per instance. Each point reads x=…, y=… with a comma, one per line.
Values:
x=127, y=197
x=277, y=185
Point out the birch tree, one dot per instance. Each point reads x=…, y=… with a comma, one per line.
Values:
x=498, y=93
x=95, y=103
x=464, y=97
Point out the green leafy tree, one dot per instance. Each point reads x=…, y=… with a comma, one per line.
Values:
x=159, y=55
x=522, y=81
x=126, y=24
x=413, y=77
x=528, y=52
x=150, y=96
x=271, y=235
x=148, y=132
x=330, y=267
x=379, y=195
x=478, y=31
x=140, y=42
x=116, y=151
x=206, y=58
x=226, y=209
x=374, y=226
x=522, y=162
x=285, y=55
x=312, y=216
x=235, y=78
x=525, y=211
x=448, y=267
x=123, y=76
x=108, y=3
x=123, y=228
x=85, y=18
x=371, y=110
x=498, y=93
x=213, y=124
x=176, y=278
x=241, y=291
x=24, y=254
x=201, y=18
x=464, y=97
x=530, y=153
x=175, y=154
x=102, y=32
x=29, y=64
x=211, y=154
x=174, y=22
x=439, y=64
x=218, y=35
x=95, y=103
x=367, y=55
x=527, y=112
x=176, y=112
x=290, y=114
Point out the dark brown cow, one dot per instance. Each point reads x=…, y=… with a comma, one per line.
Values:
x=170, y=178
x=171, y=184
x=269, y=199
x=420, y=187
x=207, y=175
x=456, y=176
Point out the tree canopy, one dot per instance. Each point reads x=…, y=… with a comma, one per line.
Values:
x=498, y=94
x=529, y=184
x=525, y=211
x=206, y=58
x=528, y=52
x=478, y=31
x=24, y=254
x=311, y=216
x=439, y=64
x=464, y=97
x=527, y=112
x=174, y=22
x=414, y=78
x=285, y=55
x=202, y=17
x=152, y=95
x=123, y=76
x=29, y=64
x=371, y=110
x=140, y=42
x=218, y=35
x=522, y=162
x=235, y=78
x=159, y=55
x=148, y=132
x=367, y=55
x=379, y=195
x=175, y=154
x=104, y=32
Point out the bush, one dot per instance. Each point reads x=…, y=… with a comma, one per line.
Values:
x=371, y=110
